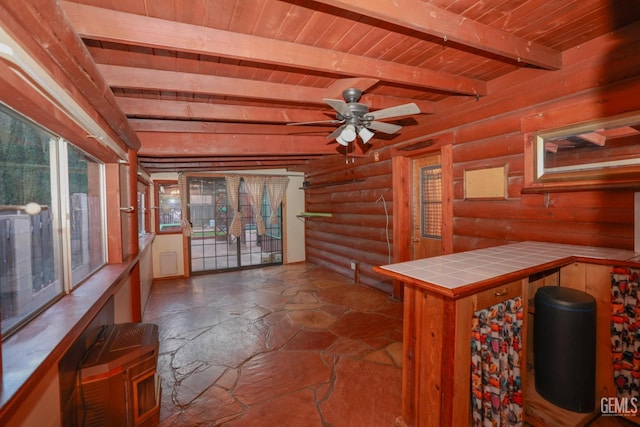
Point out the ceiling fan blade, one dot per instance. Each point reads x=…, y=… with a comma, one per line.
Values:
x=398, y=110
x=331, y=122
x=384, y=127
x=340, y=106
x=335, y=133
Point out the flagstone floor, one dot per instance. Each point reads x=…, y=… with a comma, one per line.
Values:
x=279, y=346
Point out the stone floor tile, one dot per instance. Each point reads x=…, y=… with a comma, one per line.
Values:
x=395, y=351
x=214, y=404
x=379, y=356
x=294, y=307
x=278, y=373
x=311, y=340
x=244, y=348
x=312, y=318
x=192, y=382
x=228, y=379
x=304, y=298
x=348, y=347
x=364, y=394
x=357, y=325
x=229, y=344
x=297, y=409
x=357, y=298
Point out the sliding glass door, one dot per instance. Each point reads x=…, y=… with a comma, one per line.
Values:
x=220, y=243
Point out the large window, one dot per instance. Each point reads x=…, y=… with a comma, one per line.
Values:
x=46, y=250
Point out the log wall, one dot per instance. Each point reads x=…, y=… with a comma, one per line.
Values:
x=598, y=79
x=359, y=198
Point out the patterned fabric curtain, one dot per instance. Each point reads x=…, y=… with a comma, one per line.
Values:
x=233, y=183
x=496, y=385
x=276, y=186
x=255, y=185
x=625, y=334
x=183, y=187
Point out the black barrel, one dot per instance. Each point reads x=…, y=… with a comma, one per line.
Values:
x=564, y=347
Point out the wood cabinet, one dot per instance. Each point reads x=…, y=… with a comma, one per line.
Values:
x=437, y=351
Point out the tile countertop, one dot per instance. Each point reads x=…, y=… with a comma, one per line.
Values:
x=461, y=269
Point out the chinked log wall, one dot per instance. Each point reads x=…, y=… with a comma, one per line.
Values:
x=598, y=79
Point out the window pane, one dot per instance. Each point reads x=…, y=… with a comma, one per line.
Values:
x=169, y=215
x=85, y=182
x=30, y=274
x=141, y=209
x=431, y=197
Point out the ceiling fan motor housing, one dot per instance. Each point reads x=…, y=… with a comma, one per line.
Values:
x=352, y=94
x=358, y=113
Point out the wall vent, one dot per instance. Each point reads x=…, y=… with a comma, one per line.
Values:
x=168, y=264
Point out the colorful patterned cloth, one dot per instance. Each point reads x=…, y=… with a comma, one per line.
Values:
x=496, y=346
x=625, y=333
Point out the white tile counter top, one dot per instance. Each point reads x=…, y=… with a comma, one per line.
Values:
x=465, y=268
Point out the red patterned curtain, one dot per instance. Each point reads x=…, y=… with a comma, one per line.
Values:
x=496, y=350
x=625, y=331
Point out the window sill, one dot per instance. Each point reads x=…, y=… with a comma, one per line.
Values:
x=32, y=351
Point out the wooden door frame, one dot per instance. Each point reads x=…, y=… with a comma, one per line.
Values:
x=401, y=172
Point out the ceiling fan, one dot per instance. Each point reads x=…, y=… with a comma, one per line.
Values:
x=356, y=119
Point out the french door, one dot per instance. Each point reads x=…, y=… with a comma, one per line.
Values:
x=213, y=247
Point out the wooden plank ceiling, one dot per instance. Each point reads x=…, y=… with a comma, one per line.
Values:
x=211, y=85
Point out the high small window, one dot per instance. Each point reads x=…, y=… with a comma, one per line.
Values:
x=169, y=212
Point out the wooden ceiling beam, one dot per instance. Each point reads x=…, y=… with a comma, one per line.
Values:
x=223, y=112
x=209, y=165
x=337, y=87
x=192, y=126
x=594, y=138
x=427, y=19
x=153, y=79
x=377, y=102
x=107, y=25
x=228, y=112
x=175, y=159
x=170, y=144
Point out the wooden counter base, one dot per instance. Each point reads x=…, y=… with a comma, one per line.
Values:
x=437, y=336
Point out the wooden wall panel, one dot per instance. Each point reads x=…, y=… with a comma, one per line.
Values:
x=596, y=80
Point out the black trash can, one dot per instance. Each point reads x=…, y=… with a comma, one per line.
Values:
x=564, y=347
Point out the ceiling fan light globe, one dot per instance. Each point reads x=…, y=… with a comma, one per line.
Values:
x=341, y=141
x=365, y=134
x=348, y=133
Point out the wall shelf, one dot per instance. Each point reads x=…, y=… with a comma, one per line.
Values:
x=314, y=215
x=328, y=184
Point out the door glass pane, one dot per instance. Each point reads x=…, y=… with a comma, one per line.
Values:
x=170, y=215
x=212, y=247
x=431, y=201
